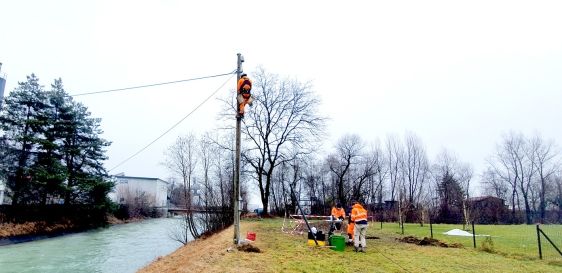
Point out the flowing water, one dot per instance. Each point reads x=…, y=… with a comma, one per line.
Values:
x=119, y=248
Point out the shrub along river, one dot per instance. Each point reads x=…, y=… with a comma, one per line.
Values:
x=119, y=248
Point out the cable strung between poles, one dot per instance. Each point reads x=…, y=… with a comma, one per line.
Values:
x=150, y=85
x=174, y=126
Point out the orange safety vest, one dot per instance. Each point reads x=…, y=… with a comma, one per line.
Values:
x=358, y=213
x=244, y=85
x=337, y=213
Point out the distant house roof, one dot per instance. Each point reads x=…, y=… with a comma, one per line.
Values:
x=142, y=178
x=482, y=198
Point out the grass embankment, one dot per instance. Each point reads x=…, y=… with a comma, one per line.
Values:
x=8, y=230
x=289, y=253
x=26, y=221
x=39, y=228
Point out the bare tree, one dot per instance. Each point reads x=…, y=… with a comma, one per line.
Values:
x=515, y=163
x=465, y=173
x=279, y=191
x=415, y=171
x=363, y=176
x=283, y=119
x=349, y=149
x=528, y=173
x=381, y=172
x=223, y=166
x=180, y=160
x=206, y=152
x=505, y=166
x=312, y=183
x=222, y=169
x=543, y=157
x=494, y=183
x=394, y=151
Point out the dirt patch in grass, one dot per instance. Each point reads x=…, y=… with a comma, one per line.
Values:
x=427, y=242
x=249, y=248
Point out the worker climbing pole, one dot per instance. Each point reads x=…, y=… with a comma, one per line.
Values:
x=236, y=186
x=244, y=96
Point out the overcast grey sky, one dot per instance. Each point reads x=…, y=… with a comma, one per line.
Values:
x=458, y=74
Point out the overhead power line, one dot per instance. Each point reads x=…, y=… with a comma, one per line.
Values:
x=151, y=85
x=174, y=126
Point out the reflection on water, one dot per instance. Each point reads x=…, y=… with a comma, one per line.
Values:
x=120, y=248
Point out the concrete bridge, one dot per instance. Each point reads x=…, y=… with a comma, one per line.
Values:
x=179, y=210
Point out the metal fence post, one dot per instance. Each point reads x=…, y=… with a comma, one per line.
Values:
x=551, y=242
x=473, y=235
x=539, y=241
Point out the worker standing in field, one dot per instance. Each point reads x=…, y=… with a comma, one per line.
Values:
x=338, y=213
x=359, y=217
x=244, y=96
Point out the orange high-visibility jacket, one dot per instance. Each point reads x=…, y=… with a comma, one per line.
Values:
x=244, y=83
x=358, y=213
x=337, y=213
x=351, y=228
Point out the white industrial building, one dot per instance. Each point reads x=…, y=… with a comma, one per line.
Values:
x=131, y=187
x=2, y=191
x=2, y=85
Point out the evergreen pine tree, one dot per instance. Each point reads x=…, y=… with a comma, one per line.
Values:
x=451, y=196
x=83, y=153
x=48, y=170
x=51, y=147
x=22, y=120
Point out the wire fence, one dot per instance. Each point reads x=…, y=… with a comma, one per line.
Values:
x=517, y=241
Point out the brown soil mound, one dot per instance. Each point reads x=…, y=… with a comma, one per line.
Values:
x=427, y=242
x=249, y=248
x=250, y=215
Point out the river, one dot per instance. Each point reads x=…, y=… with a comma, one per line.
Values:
x=119, y=248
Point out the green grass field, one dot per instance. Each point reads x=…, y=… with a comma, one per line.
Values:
x=517, y=241
x=515, y=251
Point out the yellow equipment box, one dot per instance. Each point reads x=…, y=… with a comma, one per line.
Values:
x=320, y=243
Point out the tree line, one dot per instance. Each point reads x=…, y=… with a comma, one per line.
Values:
x=51, y=151
x=397, y=179
x=282, y=137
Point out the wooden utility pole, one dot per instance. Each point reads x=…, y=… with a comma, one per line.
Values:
x=236, y=197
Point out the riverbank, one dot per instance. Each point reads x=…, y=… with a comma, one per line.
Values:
x=25, y=222
x=30, y=231
x=282, y=252
x=14, y=233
